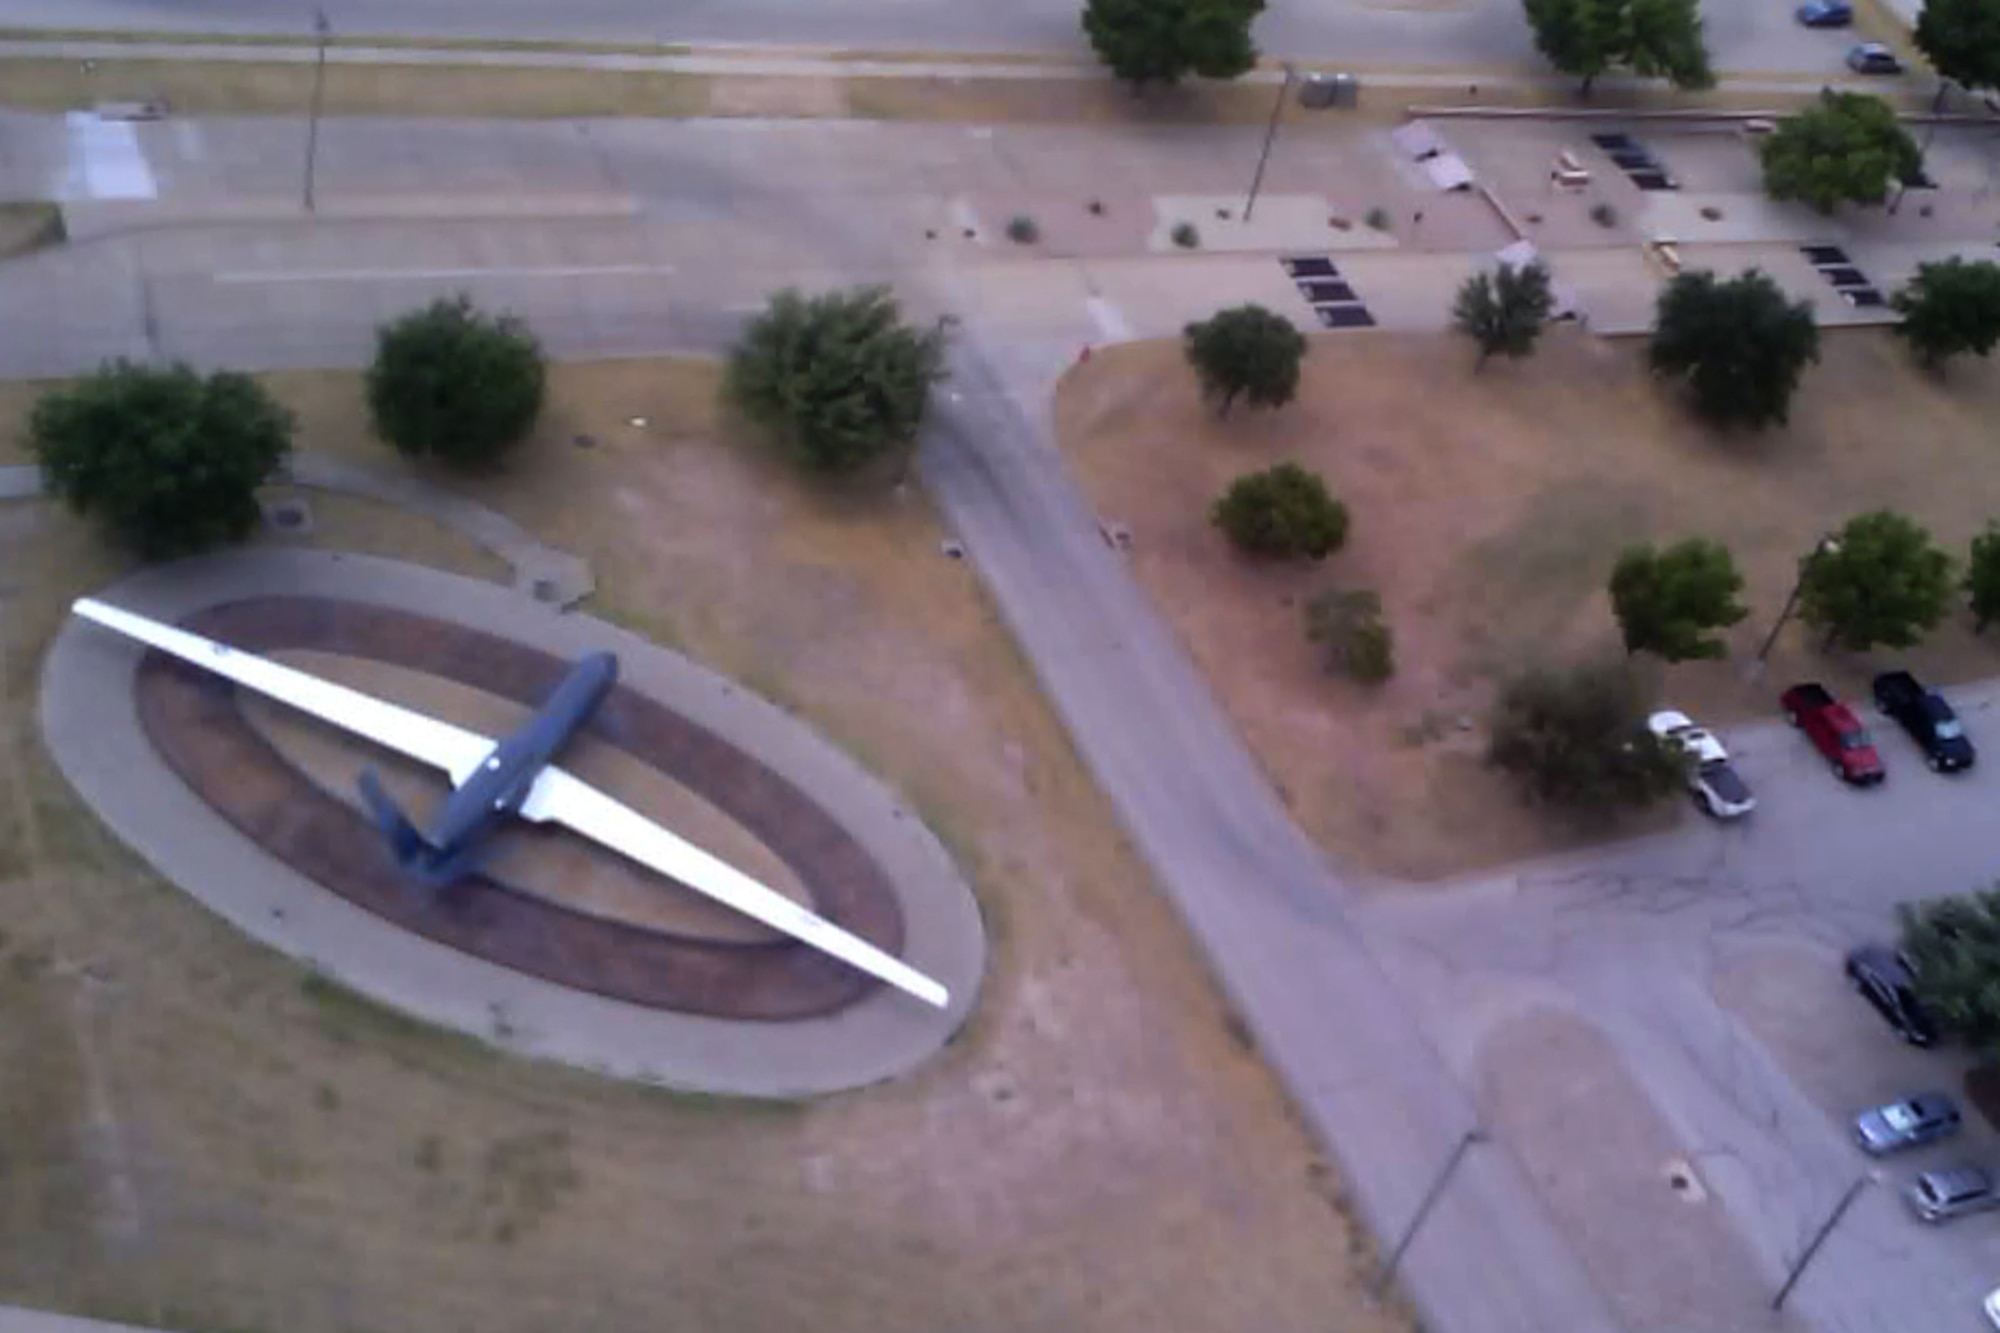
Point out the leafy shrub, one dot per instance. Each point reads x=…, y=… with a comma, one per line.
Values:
x=1350, y=628
x=1282, y=512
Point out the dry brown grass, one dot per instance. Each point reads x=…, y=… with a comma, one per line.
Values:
x=198, y=1136
x=215, y=87
x=1488, y=510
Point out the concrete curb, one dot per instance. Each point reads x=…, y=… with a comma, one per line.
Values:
x=90, y=724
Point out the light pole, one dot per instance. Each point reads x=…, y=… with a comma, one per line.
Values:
x=1827, y=545
x=323, y=30
x=1924, y=148
x=1819, y=1239
x=1388, y=1273
x=1270, y=133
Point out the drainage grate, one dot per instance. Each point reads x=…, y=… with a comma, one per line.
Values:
x=1309, y=267
x=1344, y=316
x=1332, y=299
x=1636, y=161
x=1321, y=293
x=1846, y=278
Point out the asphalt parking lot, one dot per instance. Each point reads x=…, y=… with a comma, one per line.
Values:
x=1703, y=969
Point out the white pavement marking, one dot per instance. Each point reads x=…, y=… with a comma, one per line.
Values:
x=1110, y=320
x=106, y=161
x=406, y=274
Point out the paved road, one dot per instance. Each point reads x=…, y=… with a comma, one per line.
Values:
x=1260, y=898
x=1255, y=890
x=1452, y=33
x=1710, y=960
x=1367, y=1029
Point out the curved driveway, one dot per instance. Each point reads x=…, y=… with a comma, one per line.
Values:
x=90, y=721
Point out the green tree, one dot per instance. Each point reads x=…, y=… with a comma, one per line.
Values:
x=1846, y=148
x=1504, y=311
x=1578, y=738
x=1349, y=629
x=451, y=383
x=1953, y=945
x=1654, y=39
x=1247, y=352
x=1667, y=602
x=1161, y=41
x=1982, y=577
x=1950, y=307
x=1961, y=39
x=1282, y=512
x=1881, y=581
x=837, y=380
x=167, y=460
x=1739, y=345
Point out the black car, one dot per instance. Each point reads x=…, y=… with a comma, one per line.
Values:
x=1927, y=717
x=1825, y=14
x=1883, y=978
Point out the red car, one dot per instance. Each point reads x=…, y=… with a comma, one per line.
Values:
x=1834, y=731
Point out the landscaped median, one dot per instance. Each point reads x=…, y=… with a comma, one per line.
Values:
x=196, y=1124
x=1487, y=510
x=59, y=70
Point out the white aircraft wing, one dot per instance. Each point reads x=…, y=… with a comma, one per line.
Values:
x=566, y=799
x=454, y=749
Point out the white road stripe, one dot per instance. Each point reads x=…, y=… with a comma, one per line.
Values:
x=406, y=274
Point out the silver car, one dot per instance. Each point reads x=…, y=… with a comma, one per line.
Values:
x=1939, y=1196
x=1917, y=1120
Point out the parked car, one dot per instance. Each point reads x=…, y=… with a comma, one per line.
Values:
x=1913, y=1122
x=1711, y=779
x=1834, y=731
x=1928, y=718
x=1873, y=58
x=1939, y=1196
x=1883, y=978
x=1826, y=14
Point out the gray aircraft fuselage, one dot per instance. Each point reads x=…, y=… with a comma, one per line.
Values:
x=492, y=794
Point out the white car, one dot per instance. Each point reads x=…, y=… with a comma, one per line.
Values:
x=1993, y=1307
x=1712, y=782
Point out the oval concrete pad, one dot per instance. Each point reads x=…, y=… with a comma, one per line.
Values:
x=92, y=720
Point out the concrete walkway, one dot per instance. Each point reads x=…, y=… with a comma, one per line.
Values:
x=90, y=723
x=554, y=577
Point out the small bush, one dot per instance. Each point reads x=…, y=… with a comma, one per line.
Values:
x=1378, y=218
x=1578, y=738
x=1185, y=235
x=1349, y=626
x=1603, y=214
x=1096, y=207
x=1282, y=512
x=1023, y=231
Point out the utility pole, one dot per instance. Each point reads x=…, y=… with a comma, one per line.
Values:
x=1270, y=134
x=1826, y=1229
x=323, y=30
x=1827, y=545
x=1388, y=1272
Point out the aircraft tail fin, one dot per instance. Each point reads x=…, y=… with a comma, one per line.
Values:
x=413, y=852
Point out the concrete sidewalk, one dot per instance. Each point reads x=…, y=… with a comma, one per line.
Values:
x=752, y=62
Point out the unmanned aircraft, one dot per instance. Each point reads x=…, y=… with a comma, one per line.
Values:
x=494, y=781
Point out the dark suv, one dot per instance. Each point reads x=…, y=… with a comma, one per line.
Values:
x=1927, y=717
x=1883, y=978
